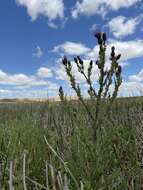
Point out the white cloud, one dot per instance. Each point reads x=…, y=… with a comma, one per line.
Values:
x=4, y=91
x=117, y=4
x=72, y=48
x=20, y=79
x=96, y=27
x=93, y=27
x=134, y=85
x=129, y=89
x=38, y=52
x=87, y=7
x=52, y=25
x=121, y=26
x=92, y=7
x=52, y=9
x=61, y=74
x=127, y=49
x=137, y=78
x=44, y=72
x=27, y=86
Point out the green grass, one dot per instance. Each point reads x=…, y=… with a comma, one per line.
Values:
x=58, y=136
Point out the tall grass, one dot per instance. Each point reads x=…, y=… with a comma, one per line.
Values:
x=51, y=146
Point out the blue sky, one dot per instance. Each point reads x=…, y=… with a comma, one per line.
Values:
x=35, y=34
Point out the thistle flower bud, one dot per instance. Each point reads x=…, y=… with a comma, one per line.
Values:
x=97, y=62
x=65, y=61
x=101, y=37
x=104, y=37
x=112, y=52
x=61, y=89
x=98, y=35
x=61, y=93
x=113, y=48
x=118, y=57
x=75, y=59
x=69, y=63
x=119, y=69
x=80, y=60
x=91, y=63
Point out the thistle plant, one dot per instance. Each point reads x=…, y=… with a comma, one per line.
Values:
x=108, y=78
x=61, y=94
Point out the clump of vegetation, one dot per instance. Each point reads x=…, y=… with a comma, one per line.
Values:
x=106, y=77
x=89, y=144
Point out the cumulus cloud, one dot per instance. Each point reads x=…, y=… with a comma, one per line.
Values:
x=27, y=86
x=93, y=7
x=52, y=25
x=129, y=89
x=128, y=49
x=37, y=52
x=19, y=79
x=121, y=26
x=72, y=48
x=117, y=4
x=51, y=9
x=137, y=78
x=94, y=27
x=61, y=74
x=44, y=72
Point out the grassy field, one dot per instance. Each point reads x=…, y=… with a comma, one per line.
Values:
x=51, y=146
